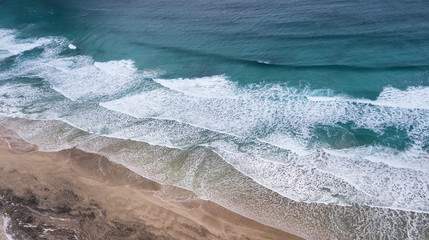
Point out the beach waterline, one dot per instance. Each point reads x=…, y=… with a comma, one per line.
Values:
x=226, y=186
x=271, y=110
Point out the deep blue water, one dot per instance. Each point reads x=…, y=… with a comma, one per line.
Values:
x=354, y=48
x=319, y=101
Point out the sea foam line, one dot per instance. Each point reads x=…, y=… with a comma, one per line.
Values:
x=267, y=97
x=6, y=221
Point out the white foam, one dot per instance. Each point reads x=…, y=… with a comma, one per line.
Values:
x=72, y=47
x=321, y=98
x=260, y=112
x=214, y=180
x=10, y=46
x=415, y=159
x=329, y=178
x=75, y=77
x=411, y=98
x=121, y=68
x=78, y=77
x=250, y=126
x=264, y=62
x=284, y=117
x=5, y=227
x=207, y=87
x=284, y=141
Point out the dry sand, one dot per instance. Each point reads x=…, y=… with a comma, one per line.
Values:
x=76, y=195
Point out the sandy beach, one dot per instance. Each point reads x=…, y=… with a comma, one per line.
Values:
x=72, y=194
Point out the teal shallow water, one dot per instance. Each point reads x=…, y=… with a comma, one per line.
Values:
x=320, y=103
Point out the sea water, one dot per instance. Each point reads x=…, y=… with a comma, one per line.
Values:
x=306, y=109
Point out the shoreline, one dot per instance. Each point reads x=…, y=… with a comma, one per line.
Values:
x=118, y=166
x=3, y=234
x=72, y=193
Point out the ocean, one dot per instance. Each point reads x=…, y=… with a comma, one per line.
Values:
x=308, y=116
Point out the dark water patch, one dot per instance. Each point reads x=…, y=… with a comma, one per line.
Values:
x=32, y=81
x=31, y=54
x=348, y=135
x=8, y=62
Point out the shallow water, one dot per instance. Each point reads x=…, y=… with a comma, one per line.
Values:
x=319, y=103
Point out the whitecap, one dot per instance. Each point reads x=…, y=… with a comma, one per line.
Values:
x=10, y=46
x=217, y=86
x=72, y=47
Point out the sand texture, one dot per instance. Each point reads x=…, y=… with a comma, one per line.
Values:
x=72, y=194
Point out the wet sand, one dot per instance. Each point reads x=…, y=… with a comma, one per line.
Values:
x=72, y=194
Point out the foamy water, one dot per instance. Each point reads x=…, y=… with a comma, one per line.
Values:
x=270, y=143
x=5, y=226
x=251, y=127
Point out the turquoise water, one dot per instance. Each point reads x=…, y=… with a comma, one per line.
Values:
x=318, y=102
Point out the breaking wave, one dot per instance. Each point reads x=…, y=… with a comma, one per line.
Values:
x=213, y=136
